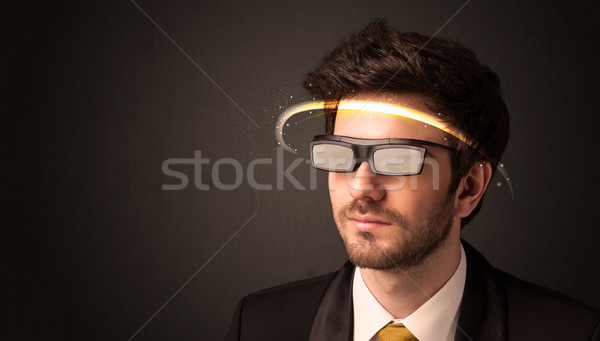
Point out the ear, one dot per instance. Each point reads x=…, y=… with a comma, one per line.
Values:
x=471, y=189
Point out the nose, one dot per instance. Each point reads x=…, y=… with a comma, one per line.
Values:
x=364, y=185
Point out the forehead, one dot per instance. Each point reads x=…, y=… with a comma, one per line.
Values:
x=388, y=116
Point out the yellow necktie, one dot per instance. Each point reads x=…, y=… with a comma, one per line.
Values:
x=396, y=332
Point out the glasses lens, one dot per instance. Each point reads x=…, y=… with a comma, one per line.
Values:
x=398, y=160
x=332, y=157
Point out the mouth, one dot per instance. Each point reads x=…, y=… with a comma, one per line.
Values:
x=366, y=223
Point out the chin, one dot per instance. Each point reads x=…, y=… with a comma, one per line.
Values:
x=378, y=260
x=365, y=250
x=406, y=244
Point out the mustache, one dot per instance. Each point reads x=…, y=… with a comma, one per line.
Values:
x=373, y=208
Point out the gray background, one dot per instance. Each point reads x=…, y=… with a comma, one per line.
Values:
x=96, y=98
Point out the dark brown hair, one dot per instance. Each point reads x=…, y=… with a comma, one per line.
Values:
x=446, y=74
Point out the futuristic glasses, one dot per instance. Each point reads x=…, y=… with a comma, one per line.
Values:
x=398, y=157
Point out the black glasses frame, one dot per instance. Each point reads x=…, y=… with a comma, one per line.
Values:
x=363, y=150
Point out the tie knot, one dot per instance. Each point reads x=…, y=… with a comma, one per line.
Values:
x=396, y=332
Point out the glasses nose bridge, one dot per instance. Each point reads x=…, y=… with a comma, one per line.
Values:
x=362, y=154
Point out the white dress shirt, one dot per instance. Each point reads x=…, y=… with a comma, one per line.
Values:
x=435, y=320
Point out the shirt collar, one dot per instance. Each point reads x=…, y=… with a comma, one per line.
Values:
x=441, y=310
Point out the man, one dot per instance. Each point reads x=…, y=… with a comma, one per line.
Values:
x=417, y=129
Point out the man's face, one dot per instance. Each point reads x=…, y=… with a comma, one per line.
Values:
x=388, y=222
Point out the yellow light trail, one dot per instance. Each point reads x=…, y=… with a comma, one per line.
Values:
x=367, y=106
x=380, y=107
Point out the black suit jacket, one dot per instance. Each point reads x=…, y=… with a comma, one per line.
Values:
x=495, y=306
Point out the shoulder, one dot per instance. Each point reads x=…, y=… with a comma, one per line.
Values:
x=499, y=306
x=280, y=311
x=533, y=297
x=534, y=310
x=301, y=291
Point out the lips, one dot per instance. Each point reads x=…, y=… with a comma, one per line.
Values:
x=367, y=223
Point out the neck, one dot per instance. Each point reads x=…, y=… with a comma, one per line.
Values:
x=403, y=291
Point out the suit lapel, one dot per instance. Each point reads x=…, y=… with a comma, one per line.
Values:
x=335, y=316
x=483, y=312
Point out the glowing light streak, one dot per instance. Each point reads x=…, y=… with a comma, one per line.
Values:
x=380, y=107
x=293, y=110
x=367, y=106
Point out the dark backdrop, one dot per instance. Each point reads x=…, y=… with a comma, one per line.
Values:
x=97, y=97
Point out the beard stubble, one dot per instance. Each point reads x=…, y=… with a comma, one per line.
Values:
x=412, y=242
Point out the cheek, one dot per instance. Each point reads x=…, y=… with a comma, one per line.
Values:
x=406, y=200
x=436, y=176
x=338, y=188
x=337, y=183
